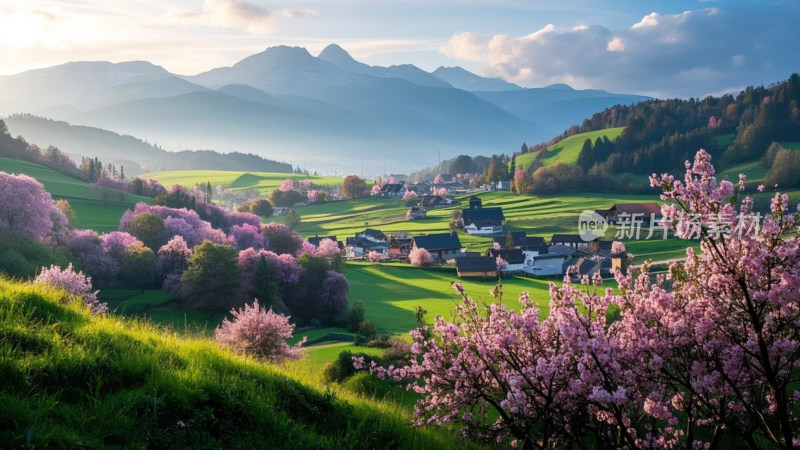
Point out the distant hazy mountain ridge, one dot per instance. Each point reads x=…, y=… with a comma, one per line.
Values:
x=324, y=112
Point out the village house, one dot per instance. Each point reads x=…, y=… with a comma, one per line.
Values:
x=514, y=258
x=416, y=212
x=433, y=201
x=583, y=266
x=544, y=264
x=399, y=246
x=392, y=190
x=480, y=266
x=315, y=240
x=372, y=235
x=483, y=221
x=441, y=246
x=359, y=247
x=475, y=202
x=647, y=213
x=573, y=241
x=520, y=240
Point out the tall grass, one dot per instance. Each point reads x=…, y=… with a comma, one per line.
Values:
x=73, y=380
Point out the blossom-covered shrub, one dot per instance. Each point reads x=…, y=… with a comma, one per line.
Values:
x=328, y=248
x=410, y=197
x=76, y=285
x=375, y=256
x=281, y=239
x=27, y=210
x=173, y=260
x=248, y=236
x=258, y=332
x=419, y=257
x=88, y=248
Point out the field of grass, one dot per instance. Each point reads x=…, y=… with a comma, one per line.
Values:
x=71, y=380
x=537, y=215
x=567, y=150
x=264, y=182
x=91, y=210
x=390, y=292
x=754, y=170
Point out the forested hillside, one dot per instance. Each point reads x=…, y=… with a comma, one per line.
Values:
x=136, y=155
x=754, y=130
x=662, y=134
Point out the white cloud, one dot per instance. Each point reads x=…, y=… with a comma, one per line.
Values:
x=467, y=46
x=616, y=45
x=687, y=54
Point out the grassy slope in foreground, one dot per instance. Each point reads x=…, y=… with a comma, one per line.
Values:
x=91, y=211
x=264, y=182
x=567, y=150
x=73, y=380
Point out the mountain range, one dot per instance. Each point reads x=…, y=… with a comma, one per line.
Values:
x=326, y=113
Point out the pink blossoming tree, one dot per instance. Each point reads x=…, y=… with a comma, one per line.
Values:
x=75, y=284
x=701, y=358
x=410, y=197
x=258, y=332
x=419, y=257
x=28, y=211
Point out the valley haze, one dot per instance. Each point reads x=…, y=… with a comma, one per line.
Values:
x=330, y=113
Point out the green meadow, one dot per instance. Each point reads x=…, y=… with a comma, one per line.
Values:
x=73, y=380
x=537, y=215
x=390, y=292
x=264, y=182
x=567, y=150
x=91, y=210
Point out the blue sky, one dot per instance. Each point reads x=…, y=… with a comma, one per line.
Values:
x=676, y=48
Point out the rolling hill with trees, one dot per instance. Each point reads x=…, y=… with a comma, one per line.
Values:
x=136, y=155
x=754, y=132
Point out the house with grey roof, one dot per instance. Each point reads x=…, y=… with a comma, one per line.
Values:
x=442, y=246
x=483, y=221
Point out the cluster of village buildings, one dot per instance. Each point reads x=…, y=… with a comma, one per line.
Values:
x=520, y=254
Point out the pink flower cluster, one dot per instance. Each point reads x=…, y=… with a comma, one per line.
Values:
x=76, y=285
x=419, y=257
x=711, y=349
x=259, y=332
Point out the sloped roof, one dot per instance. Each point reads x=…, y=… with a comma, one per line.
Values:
x=371, y=232
x=493, y=215
x=519, y=238
x=477, y=264
x=436, y=242
x=365, y=243
x=561, y=250
x=431, y=200
x=570, y=238
x=315, y=240
x=535, y=243
x=391, y=188
x=512, y=256
x=637, y=208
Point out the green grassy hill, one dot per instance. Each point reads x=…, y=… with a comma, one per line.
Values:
x=264, y=182
x=91, y=210
x=71, y=380
x=567, y=150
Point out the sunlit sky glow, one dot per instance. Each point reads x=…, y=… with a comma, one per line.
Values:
x=676, y=48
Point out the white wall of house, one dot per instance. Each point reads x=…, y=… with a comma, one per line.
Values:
x=544, y=265
x=472, y=229
x=514, y=267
